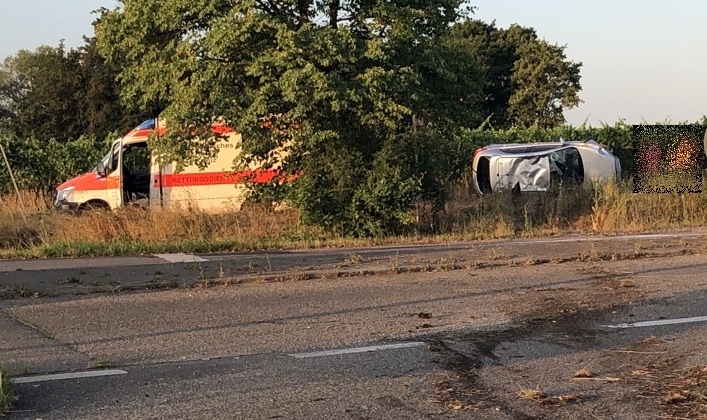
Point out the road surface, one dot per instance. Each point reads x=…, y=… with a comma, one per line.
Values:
x=494, y=330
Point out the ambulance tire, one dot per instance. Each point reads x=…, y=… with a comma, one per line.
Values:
x=94, y=206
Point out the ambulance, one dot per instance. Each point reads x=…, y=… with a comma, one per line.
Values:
x=131, y=175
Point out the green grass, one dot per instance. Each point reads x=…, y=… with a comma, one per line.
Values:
x=7, y=395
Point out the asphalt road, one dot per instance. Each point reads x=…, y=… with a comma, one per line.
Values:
x=71, y=277
x=492, y=331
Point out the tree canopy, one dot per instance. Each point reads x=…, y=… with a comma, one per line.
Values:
x=338, y=83
x=366, y=98
x=52, y=93
x=528, y=81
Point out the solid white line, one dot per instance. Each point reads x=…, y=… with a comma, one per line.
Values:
x=61, y=376
x=659, y=322
x=180, y=258
x=356, y=350
x=609, y=238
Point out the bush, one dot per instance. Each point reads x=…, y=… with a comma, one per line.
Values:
x=40, y=165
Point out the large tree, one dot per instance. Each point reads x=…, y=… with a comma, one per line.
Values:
x=38, y=93
x=335, y=83
x=545, y=84
x=527, y=80
x=54, y=93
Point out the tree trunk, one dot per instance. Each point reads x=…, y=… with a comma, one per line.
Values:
x=334, y=6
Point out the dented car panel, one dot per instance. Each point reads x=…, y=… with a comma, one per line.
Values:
x=531, y=173
x=538, y=166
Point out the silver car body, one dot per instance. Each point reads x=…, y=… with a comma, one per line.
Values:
x=536, y=166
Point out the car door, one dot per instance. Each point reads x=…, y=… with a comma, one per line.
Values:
x=530, y=173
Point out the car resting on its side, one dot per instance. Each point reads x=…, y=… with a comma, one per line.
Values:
x=539, y=166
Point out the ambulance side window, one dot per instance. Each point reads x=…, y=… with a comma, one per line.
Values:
x=115, y=154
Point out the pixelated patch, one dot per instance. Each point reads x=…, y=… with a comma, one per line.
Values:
x=668, y=158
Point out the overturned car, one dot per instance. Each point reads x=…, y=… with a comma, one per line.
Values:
x=539, y=166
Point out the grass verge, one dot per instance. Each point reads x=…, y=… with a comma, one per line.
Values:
x=609, y=209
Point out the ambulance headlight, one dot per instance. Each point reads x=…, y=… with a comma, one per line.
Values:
x=65, y=194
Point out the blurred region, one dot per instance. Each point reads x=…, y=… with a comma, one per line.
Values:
x=668, y=158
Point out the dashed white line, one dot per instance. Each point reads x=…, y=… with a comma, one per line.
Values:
x=356, y=350
x=64, y=376
x=659, y=322
x=180, y=258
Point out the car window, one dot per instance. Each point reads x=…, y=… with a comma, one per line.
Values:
x=529, y=149
x=483, y=175
x=114, y=158
x=566, y=166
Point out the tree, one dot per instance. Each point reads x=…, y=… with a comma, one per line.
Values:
x=53, y=93
x=545, y=84
x=38, y=93
x=101, y=109
x=526, y=80
x=333, y=83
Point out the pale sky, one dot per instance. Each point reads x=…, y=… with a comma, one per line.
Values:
x=643, y=60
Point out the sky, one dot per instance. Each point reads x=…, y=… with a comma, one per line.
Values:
x=643, y=61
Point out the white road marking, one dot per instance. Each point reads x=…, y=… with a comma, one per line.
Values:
x=180, y=258
x=62, y=376
x=659, y=322
x=602, y=238
x=356, y=350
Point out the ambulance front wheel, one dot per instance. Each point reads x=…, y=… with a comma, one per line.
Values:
x=94, y=206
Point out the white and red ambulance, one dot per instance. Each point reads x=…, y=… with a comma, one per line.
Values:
x=130, y=174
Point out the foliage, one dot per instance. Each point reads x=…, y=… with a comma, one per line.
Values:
x=54, y=93
x=40, y=165
x=545, y=85
x=334, y=84
x=527, y=81
x=38, y=93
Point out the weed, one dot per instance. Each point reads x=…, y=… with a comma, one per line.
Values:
x=395, y=266
x=101, y=364
x=7, y=394
x=155, y=282
x=222, y=272
x=202, y=276
x=70, y=280
x=494, y=255
x=355, y=258
x=204, y=283
x=250, y=267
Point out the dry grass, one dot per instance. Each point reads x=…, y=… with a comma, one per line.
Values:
x=611, y=208
x=617, y=209
x=682, y=394
x=37, y=232
x=539, y=396
x=534, y=394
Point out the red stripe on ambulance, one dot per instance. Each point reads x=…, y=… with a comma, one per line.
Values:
x=215, y=178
